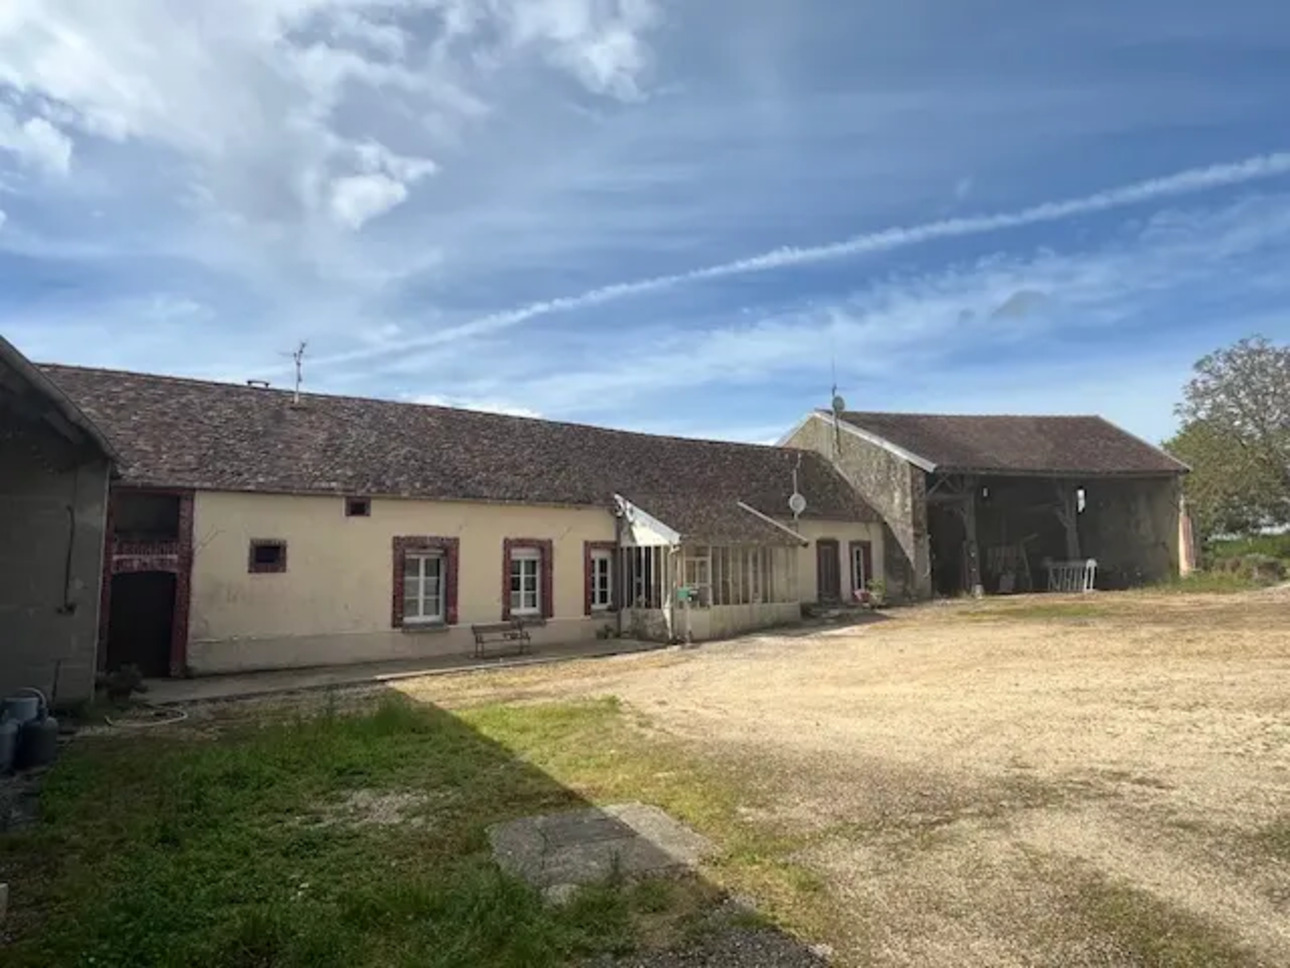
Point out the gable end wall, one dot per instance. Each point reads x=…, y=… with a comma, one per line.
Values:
x=894, y=488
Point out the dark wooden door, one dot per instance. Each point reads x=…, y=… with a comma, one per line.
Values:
x=828, y=570
x=140, y=620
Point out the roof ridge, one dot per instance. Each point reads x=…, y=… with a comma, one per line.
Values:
x=1158, y=448
x=972, y=416
x=386, y=401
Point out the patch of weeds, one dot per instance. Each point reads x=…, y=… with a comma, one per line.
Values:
x=1206, y=583
x=665, y=910
x=653, y=896
x=804, y=880
x=599, y=919
x=1149, y=931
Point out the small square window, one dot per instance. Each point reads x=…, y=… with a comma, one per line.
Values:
x=358, y=507
x=267, y=556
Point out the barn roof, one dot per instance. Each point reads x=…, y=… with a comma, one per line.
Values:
x=26, y=389
x=995, y=444
x=183, y=433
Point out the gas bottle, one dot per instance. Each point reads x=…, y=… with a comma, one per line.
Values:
x=8, y=744
x=38, y=743
x=37, y=730
x=23, y=706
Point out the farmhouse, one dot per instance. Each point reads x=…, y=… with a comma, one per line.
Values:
x=254, y=529
x=1008, y=503
x=54, y=470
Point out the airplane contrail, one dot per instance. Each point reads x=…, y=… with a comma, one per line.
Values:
x=1182, y=183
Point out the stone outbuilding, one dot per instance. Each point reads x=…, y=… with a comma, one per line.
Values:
x=55, y=467
x=1008, y=503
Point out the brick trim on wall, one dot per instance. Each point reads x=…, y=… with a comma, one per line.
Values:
x=546, y=578
x=587, y=548
x=451, y=550
x=176, y=557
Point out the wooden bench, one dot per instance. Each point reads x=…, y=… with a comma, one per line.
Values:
x=513, y=631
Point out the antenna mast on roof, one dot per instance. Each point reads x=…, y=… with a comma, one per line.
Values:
x=837, y=404
x=796, y=502
x=299, y=356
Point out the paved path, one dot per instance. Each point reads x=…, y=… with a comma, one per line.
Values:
x=233, y=686
x=591, y=846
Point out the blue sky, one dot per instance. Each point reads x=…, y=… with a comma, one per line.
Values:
x=676, y=217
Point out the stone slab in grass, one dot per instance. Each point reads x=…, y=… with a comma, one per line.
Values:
x=589, y=846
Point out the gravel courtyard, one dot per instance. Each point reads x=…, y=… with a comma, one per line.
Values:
x=1034, y=781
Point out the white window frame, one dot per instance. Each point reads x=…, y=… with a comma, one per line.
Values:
x=697, y=574
x=859, y=580
x=602, y=570
x=422, y=617
x=521, y=558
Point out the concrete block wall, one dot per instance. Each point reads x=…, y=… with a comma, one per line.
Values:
x=52, y=510
x=1132, y=528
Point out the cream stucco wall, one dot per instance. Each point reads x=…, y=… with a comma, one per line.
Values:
x=333, y=603
x=844, y=532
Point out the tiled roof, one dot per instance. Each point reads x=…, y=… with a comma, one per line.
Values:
x=183, y=433
x=22, y=382
x=1017, y=444
x=717, y=522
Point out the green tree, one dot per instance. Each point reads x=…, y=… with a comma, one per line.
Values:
x=1236, y=437
x=1227, y=491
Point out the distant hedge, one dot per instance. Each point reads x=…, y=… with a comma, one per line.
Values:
x=1272, y=545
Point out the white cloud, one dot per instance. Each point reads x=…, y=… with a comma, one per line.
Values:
x=357, y=198
x=374, y=156
x=1183, y=183
x=910, y=325
x=166, y=307
x=382, y=185
x=3, y=218
x=963, y=187
x=270, y=100
x=36, y=142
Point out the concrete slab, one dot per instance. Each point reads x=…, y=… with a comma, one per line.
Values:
x=206, y=688
x=589, y=846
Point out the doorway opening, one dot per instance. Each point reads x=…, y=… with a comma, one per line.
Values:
x=948, y=538
x=141, y=621
x=828, y=571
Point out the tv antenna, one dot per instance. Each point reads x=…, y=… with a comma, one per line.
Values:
x=796, y=502
x=837, y=404
x=298, y=355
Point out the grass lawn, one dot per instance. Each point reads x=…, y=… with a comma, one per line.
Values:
x=342, y=840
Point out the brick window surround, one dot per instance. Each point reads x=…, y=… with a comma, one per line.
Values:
x=256, y=567
x=450, y=548
x=588, y=547
x=546, y=583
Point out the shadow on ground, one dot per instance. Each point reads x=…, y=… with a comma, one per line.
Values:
x=321, y=835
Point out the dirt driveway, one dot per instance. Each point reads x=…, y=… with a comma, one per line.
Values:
x=1043, y=781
